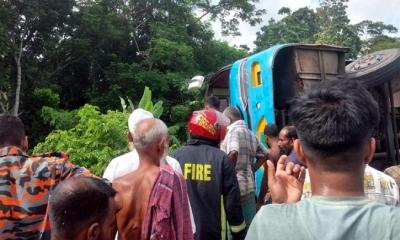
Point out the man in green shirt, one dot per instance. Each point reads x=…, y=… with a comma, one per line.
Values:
x=334, y=121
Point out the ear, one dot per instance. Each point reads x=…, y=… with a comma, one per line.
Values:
x=371, y=146
x=130, y=137
x=24, y=144
x=161, y=146
x=94, y=231
x=298, y=149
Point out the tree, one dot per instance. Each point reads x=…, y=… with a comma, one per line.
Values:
x=383, y=42
x=328, y=24
x=229, y=12
x=368, y=28
x=25, y=26
x=373, y=35
x=298, y=27
x=335, y=27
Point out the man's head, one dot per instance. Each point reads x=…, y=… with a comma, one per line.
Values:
x=271, y=133
x=212, y=102
x=83, y=208
x=287, y=135
x=152, y=139
x=334, y=121
x=232, y=113
x=203, y=124
x=135, y=117
x=12, y=132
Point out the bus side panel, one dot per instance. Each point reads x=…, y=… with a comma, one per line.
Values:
x=261, y=92
x=236, y=99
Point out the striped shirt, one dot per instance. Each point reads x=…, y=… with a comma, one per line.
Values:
x=239, y=138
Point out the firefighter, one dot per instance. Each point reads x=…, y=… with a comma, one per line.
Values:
x=211, y=180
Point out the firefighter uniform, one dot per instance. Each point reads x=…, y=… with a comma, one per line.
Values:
x=213, y=190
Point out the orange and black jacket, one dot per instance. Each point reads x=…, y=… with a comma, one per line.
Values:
x=213, y=190
x=25, y=183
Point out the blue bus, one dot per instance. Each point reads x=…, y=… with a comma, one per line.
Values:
x=262, y=85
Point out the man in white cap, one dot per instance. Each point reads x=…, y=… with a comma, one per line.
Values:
x=129, y=162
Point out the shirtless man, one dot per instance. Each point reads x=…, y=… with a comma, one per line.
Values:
x=135, y=188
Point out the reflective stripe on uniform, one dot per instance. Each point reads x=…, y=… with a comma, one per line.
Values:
x=238, y=228
x=223, y=219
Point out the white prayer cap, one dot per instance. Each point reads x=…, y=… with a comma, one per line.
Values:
x=137, y=116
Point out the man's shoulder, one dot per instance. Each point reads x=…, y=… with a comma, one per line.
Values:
x=195, y=149
x=50, y=159
x=273, y=219
x=380, y=175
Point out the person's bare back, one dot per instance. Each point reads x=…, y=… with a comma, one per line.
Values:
x=134, y=191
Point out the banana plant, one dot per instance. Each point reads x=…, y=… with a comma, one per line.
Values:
x=145, y=103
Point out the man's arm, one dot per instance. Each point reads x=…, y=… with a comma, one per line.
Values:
x=231, y=146
x=264, y=187
x=231, y=194
x=69, y=170
x=261, y=156
x=260, y=160
x=233, y=156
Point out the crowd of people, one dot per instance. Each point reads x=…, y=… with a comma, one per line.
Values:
x=315, y=180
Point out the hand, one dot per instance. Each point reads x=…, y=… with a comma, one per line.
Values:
x=286, y=183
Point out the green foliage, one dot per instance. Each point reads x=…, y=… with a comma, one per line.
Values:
x=170, y=55
x=298, y=27
x=373, y=36
x=230, y=12
x=59, y=119
x=335, y=27
x=383, y=42
x=328, y=24
x=145, y=103
x=93, y=141
x=46, y=97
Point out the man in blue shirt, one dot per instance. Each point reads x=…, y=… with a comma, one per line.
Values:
x=287, y=136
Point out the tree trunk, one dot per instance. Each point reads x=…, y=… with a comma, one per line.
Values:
x=18, y=88
x=17, y=59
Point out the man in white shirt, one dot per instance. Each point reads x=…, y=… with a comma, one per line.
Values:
x=129, y=162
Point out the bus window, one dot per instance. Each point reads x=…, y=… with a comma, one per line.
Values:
x=256, y=74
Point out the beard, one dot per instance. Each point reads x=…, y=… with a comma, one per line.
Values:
x=285, y=151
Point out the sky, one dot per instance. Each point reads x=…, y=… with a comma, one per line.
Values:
x=387, y=11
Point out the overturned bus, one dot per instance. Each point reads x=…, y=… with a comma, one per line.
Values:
x=262, y=85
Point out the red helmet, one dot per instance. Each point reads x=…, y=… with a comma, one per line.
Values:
x=204, y=124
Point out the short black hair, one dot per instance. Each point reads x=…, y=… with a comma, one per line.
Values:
x=78, y=202
x=271, y=130
x=232, y=113
x=334, y=119
x=12, y=130
x=213, y=102
x=291, y=132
